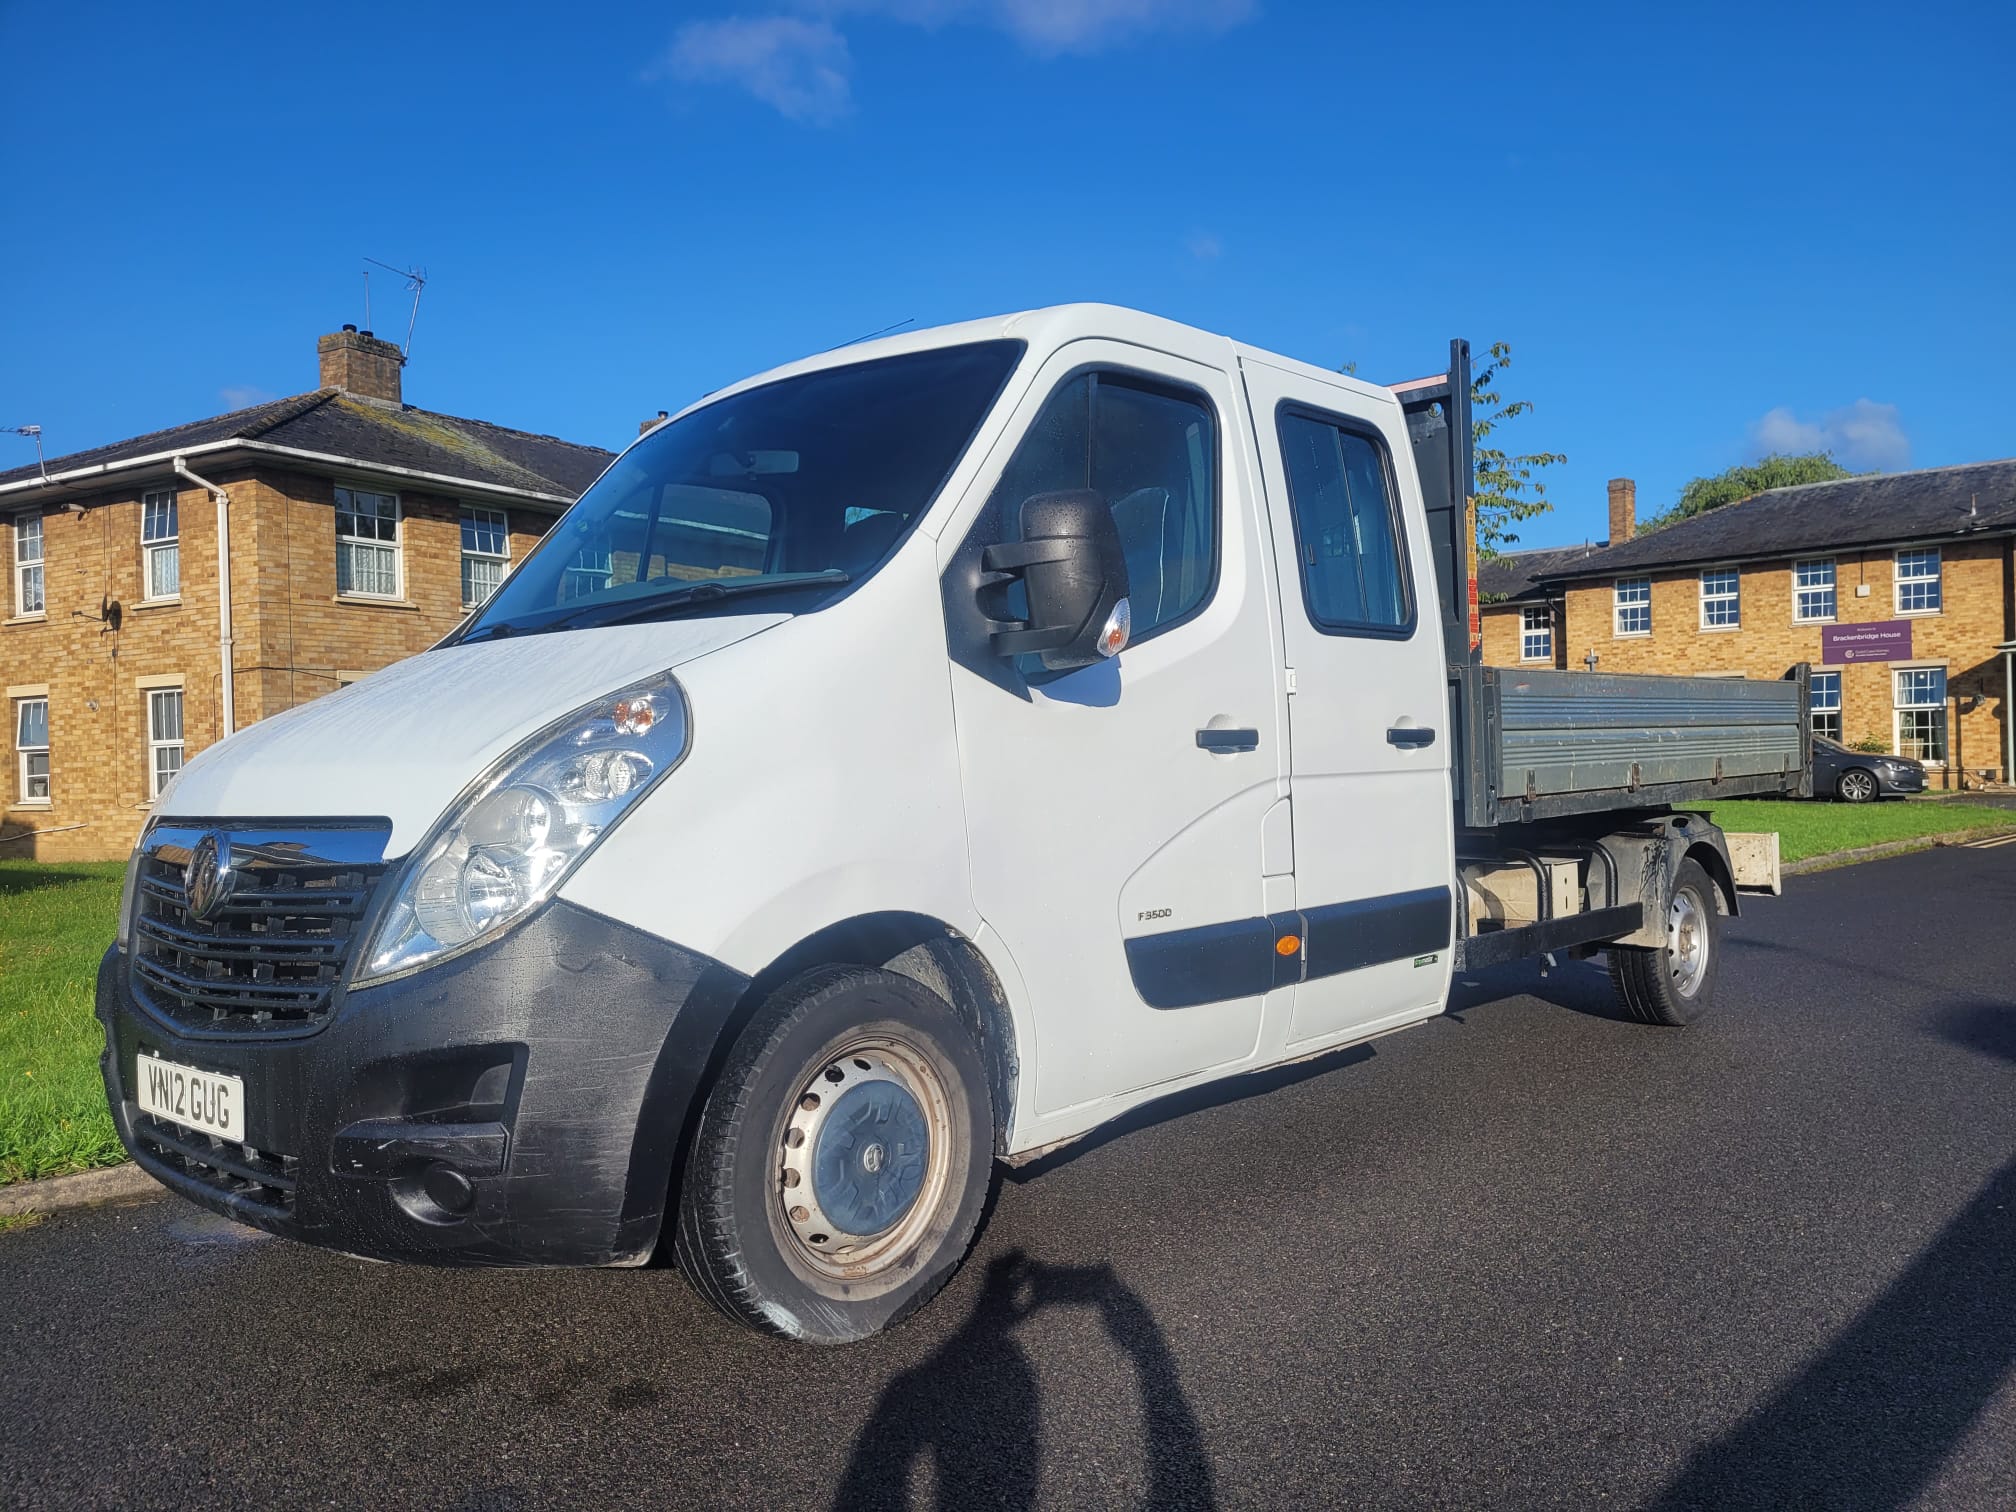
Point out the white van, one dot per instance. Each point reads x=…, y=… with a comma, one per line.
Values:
x=906, y=759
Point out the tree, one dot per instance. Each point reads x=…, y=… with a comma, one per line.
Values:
x=1506, y=490
x=1748, y=479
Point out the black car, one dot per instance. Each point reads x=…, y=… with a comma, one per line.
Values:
x=1860, y=777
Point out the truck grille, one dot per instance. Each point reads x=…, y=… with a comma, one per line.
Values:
x=280, y=929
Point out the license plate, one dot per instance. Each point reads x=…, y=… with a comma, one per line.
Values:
x=206, y=1100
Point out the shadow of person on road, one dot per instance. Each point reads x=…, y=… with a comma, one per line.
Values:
x=971, y=1412
x=1869, y=1422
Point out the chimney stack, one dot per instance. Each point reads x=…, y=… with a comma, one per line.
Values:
x=645, y=427
x=361, y=365
x=1623, y=510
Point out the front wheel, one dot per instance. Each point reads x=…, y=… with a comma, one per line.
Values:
x=841, y=1161
x=1856, y=786
x=1674, y=983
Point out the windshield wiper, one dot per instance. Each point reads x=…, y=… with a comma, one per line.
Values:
x=672, y=601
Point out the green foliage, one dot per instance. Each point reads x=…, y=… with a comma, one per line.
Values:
x=1747, y=480
x=55, y=922
x=1506, y=491
x=1806, y=830
x=1874, y=745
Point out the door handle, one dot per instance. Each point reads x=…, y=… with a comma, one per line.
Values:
x=1223, y=742
x=1410, y=735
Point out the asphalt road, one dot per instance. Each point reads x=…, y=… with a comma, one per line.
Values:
x=1525, y=1255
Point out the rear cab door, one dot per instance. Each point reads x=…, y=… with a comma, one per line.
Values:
x=1369, y=743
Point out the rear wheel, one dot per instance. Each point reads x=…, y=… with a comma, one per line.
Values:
x=1674, y=983
x=1856, y=786
x=842, y=1159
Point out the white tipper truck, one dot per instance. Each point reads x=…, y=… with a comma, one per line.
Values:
x=904, y=760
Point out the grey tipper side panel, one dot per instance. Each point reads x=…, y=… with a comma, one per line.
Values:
x=1543, y=744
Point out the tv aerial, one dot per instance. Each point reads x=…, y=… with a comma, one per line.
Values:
x=416, y=280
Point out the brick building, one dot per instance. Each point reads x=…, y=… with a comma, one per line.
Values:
x=1900, y=589
x=357, y=530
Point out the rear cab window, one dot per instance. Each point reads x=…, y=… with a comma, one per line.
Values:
x=1349, y=550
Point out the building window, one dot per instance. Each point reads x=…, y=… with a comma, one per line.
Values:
x=486, y=550
x=160, y=545
x=164, y=738
x=1536, y=633
x=1813, y=590
x=28, y=563
x=367, y=543
x=1826, y=704
x=1721, y=603
x=31, y=746
x=1918, y=581
x=1921, y=713
x=1633, y=610
x=591, y=571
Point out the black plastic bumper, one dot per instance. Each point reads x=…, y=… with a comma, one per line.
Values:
x=521, y=1105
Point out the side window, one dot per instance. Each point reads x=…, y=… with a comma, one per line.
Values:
x=1153, y=454
x=1347, y=541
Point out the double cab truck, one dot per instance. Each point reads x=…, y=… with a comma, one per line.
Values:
x=903, y=761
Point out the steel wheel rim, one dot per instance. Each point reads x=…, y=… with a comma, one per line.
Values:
x=848, y=1158
x=1687, y=944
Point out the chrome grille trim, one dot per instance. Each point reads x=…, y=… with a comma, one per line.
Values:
x=271, y=955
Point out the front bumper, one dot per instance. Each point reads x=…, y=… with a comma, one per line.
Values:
x=1903, y=779
x=519, y=1105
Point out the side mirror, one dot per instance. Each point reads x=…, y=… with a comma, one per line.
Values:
x=1074, y=574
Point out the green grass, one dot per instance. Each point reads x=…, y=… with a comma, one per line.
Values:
x=55, y=922
x=1814, y=829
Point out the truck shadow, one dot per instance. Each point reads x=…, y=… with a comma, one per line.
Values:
x=969, y=1415
x=1579, y=986
x=1869, y=1422
x=1216, y=1094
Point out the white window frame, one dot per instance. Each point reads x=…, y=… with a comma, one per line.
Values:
x=1802, y=591
x=28, y=569
x=1618, y=604
x=346, y=503
x=501, y=522
x=1731, y=596
x=1900, y=707
x=157, y=746
x=591, y=571
x=26, y=799
x=157, y=548
x=1936, y=577
x=1816, y=708
x=1541, y=634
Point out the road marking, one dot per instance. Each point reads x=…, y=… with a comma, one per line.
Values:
x=1990, y=843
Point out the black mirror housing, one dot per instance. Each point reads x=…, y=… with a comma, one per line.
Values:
x=1074, y=572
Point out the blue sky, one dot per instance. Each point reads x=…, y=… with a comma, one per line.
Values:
x=1704, y=230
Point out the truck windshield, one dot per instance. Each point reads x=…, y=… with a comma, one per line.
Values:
x=787, y=492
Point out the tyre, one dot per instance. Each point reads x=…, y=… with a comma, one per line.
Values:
x=1674, y=983
x=841, y=1161
x=1856, y=786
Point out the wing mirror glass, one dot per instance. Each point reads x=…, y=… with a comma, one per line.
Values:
x=1073, y=574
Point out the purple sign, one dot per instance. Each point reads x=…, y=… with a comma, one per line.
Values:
x=1879, y=640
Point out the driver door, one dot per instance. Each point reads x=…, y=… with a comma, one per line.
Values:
x=1115, y=814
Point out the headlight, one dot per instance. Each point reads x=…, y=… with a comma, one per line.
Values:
x=510, y=840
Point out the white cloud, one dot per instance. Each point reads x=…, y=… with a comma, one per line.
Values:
x=239, y=396
x=1861, y=436
x=1204, y=246
x=800, y=68
x=801, y=65
x=1083, y=26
